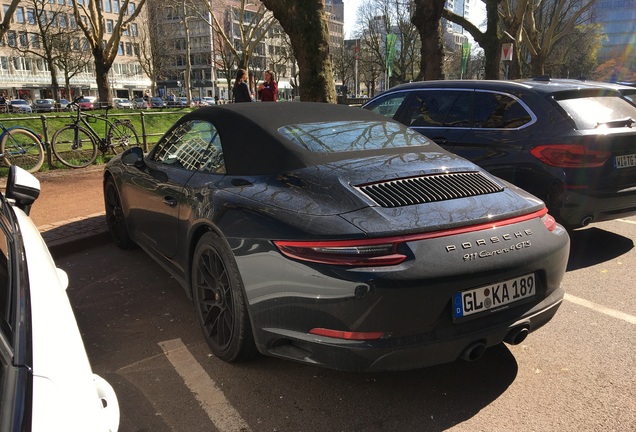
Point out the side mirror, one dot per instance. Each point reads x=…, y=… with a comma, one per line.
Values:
x=133, y=157
x=22, y=187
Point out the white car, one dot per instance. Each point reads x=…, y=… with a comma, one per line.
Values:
x=120, y=103
x=19, y=106
x=45, y=376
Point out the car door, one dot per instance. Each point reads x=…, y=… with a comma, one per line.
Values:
x=498, y=131
x=443, y=115
x=15, y=337
x=157, y=196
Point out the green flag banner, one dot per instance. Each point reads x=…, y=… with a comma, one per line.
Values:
x=391, y=39
x=465, y=56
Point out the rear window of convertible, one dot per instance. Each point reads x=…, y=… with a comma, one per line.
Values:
x=345, y=136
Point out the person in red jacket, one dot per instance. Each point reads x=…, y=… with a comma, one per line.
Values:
x=268, y=90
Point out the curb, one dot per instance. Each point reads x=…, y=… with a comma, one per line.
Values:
x=75, y=234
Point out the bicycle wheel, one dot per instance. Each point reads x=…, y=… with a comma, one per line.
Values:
x=22, y=148
x=122, y=135
x=74, y=146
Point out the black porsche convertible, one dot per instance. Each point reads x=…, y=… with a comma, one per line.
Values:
x=335, y=236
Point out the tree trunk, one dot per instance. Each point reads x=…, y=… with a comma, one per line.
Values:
x=491, y=42
x=426, y=19
x=101, y=75
x=305, y=23
x=54, y=82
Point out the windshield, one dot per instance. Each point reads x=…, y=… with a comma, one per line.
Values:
x=327, y=137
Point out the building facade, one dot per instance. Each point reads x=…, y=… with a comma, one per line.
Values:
x=618, y=19
x=25, y=73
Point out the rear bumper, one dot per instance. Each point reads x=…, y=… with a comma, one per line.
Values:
x=403, y=353
x=579, y=209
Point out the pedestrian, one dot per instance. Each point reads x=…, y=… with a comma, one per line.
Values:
x=240, y=91
x=268, y=90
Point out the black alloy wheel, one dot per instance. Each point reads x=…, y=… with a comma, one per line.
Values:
x=115, y=216
x=218, y=296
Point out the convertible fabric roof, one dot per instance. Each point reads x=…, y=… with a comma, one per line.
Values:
x=250, y=138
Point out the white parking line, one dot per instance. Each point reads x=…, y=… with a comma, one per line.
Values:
x=217, y=407
x=627, y=221
x=602, y=309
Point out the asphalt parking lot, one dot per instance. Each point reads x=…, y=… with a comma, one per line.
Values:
x=575, y=374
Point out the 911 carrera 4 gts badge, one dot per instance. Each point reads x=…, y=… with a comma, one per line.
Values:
x=504, y=244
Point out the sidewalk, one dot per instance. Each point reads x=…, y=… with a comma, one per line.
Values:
x=70, y=209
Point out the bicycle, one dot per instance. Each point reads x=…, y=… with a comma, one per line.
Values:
x=75, y=145
x=21, y=146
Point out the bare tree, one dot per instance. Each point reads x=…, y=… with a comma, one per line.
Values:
x=8, y=16
x=575, y=55
x=247, y=19
x=90, y=18
x=550, y=22
x=54, y=36
x=72, y=57
x=344, y=65
x=379, y=18
x=154, y=50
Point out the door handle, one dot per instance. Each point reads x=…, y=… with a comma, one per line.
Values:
x=440, y=140
x=171, y=201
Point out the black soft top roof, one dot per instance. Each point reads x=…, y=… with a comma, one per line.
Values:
x=250, y=138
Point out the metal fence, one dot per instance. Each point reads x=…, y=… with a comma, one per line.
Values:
x=146, y=137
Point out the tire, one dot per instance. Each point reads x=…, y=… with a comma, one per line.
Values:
x=74, y=146
x=219, y=300
x=115, y=216
x=122, y=135
x=22, y=148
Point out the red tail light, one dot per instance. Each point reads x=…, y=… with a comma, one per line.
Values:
x=383, y=251
x=549, y=222
x=368, y=252
x=339, y=334
x=570, y=155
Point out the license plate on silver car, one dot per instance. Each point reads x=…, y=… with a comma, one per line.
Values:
x=493, y=297
x=625, y=161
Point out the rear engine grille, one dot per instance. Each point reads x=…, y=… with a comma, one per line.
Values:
x=419, y=190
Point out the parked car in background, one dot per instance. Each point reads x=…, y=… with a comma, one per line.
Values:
x=199, y=102
x=19, y=106
x=182, y=101
x=344, y=240
x=47, y=383
x=120, y=103
x=64, y=104
x=570, y=143
x=157, y=102
x=87, y=103
x=44, y=105
x=140, y=103
x=209, y=100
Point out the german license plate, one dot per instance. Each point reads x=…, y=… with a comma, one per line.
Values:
x=625, y=161
x=493, y=297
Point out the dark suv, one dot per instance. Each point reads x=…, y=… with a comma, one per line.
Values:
x=569, y=143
